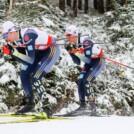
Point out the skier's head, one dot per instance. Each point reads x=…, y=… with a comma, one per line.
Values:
x=8, y=26
x=9, y=31
x=71, y=32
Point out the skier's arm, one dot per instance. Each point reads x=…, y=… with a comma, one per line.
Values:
x=75, y=59
x=70, y=48
x=29, y=40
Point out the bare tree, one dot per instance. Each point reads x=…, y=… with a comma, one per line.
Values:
x=110, y=5
x=95, y=4
x=100, y=6
x=13, y=1
x=62, y=5
x=126, y=2
x=68, y=2
x=80, y=4
x=10, y=9
x=86, y=6
x=75, y=8
x=123, y=2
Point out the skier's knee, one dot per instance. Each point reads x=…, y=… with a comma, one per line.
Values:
x=80, y=79
x=24, y=76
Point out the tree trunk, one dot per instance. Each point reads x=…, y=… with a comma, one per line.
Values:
x=75, y=8
x=124, y=2
x=101, y=6
x=109, y=5
x=68, y=2
x=62, y=5
x=95, y=4
x=10, y=9
x=80, y=4
x=86, y=7
x=13, y=1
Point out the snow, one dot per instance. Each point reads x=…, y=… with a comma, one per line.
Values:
x=4, y=79
x=47, y=22
x=71, y=107
x=106, y=29
x=8, y=74
x=79, y=125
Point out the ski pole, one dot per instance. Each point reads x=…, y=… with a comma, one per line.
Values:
x=24, y=45
x=120, y=64
x=72, y=37
x=78, y=36
x=122, y=73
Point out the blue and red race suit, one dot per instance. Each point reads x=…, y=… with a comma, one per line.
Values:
x=90, y=54
x=38, y=53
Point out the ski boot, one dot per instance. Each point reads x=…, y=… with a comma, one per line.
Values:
x=82, y=107
x=47, y=108
x=46, y=112
x=29, y=107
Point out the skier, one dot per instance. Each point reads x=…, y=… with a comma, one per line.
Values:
x=81, y=48
x=35, y=49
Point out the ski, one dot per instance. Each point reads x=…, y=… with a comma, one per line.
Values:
x=32, y=120
x=26, y=118
x=17, y=115
x=21, y=121
x=81, y=113
x=77, y=115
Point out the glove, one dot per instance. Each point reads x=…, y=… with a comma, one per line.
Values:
x=7, y=49
x=70, y=48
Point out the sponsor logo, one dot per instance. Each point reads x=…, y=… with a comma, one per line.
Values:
x=26, y=38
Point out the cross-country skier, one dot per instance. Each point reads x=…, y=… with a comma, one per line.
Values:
x=81, y=48
x=35, y=49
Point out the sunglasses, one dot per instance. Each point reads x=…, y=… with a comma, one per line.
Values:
x=71, y=36
x=68, y=35
x=5, y=35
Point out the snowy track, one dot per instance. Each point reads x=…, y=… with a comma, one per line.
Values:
x=79, y=125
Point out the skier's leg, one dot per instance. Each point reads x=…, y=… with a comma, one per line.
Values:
x=97, y=66
x=83, y=109
x=43, y=67
x=25, y=77
x=46, y=106
x=81, y=89
x=81, y=92
x=91, y=98
x=89, y=91
x=26, y=85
